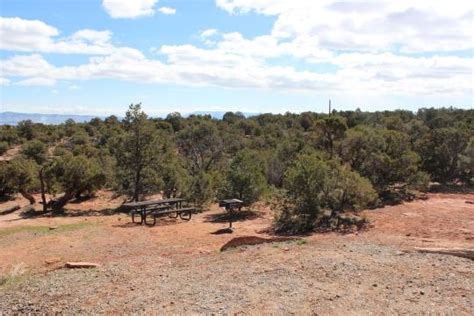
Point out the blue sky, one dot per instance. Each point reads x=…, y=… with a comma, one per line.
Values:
x=98, y=56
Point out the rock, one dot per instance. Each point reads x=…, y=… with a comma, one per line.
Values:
x=81, y=265
x=253, y=240
x=53, y=227
x=458, y=252
x=52, y=260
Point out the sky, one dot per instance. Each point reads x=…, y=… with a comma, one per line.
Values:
x=99, y=56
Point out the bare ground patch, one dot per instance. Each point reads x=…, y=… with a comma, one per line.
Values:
x=176, y=266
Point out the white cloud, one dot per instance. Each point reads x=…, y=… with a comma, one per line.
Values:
x=4, y=81
x=371, y=74
x=18, y=34
x=167, y=10
x=413, y=26
x=129, y=8
x=307, y=50
x=208, y=33
x=37, y=82
x=74, y=87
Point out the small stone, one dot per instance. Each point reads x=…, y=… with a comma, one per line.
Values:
x=374, y=285
x=81, y=265
x=52, y=260
x=53, y=227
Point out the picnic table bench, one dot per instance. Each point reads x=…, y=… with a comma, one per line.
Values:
x=230, y=206
x=156, y=208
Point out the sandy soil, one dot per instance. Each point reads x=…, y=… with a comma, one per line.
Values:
x=176, y=266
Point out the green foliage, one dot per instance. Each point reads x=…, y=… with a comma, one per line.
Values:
x=201, y=145
x=26, y=129
x=245, y=178
x=9, y=134
x=24, y=174
x=19, y=176
x=231, y=117
x=176, y=121
x=3, y=147
x=314, y=185
x=466, y=162
x=440, y=152
x=35, y=150
x=201, y=158
x=174, y=175
x=139, y=152
x=201, y=189
x=78, y=174
x=332, y=130
x=6, y=185
x=279, y=161
x=383, y=156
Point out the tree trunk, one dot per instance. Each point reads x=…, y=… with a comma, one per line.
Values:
x=8, y=210
x=59, y=204
x=136, y=193
x=28, y=196
x=43, y=190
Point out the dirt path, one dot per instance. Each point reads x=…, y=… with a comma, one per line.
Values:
x=176, y=266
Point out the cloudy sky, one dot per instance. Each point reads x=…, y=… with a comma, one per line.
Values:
x=98, y=56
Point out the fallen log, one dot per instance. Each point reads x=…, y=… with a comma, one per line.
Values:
x=81, y=265
x=458, y=252
x=8, y=210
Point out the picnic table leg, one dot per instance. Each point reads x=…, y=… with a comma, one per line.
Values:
x=230, y=217
x=143, y=215
x=133, y=216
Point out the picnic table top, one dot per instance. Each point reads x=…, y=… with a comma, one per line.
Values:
x=232, y=201
x=153, y=202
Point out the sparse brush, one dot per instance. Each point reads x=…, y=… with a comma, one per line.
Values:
x=15, y=273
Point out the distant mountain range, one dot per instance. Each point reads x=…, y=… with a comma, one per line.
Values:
x=12, y=118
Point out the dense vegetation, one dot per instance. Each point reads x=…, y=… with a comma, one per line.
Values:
x=316, y=166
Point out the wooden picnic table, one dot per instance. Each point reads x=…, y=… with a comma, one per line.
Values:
x=158, y=208
x=230, y=206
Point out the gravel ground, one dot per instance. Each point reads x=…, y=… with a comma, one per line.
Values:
x=328, y=277
x=176, y=267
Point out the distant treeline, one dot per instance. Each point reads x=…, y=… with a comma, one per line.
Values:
x=310, y=163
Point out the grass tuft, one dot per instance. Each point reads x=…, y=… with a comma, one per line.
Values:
x=45, y=230
x=14, y=275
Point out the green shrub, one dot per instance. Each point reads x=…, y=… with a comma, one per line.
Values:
x=3, y=147
x=314, y=185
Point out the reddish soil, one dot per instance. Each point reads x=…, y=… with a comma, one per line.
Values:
x=90, y=231
x=442, y=219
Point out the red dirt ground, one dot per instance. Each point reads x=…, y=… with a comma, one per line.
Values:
x=442, y=220
x=89, y=232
